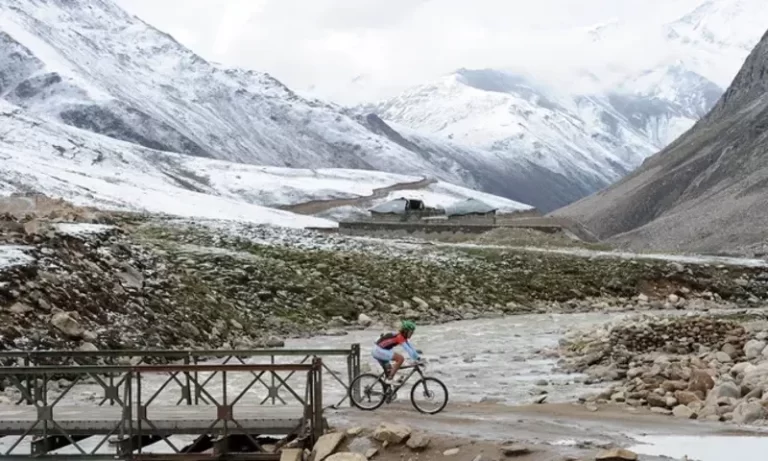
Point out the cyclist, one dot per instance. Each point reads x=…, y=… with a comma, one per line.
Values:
x=383, y=353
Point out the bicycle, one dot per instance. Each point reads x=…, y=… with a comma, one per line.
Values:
x=389, y=393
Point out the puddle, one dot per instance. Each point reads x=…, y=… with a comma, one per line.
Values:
x=703, y=448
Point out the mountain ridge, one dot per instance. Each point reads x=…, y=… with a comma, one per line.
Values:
x=706, y=192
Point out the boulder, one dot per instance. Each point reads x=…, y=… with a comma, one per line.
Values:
x=326, y=445
x=683, y=412
x=701, y=381
x=347, y=456
x=616, y=454
x=392, y=433
x=748, y=412
x=364, y=320
x=686, y=397
x=451, y=452
x=753, y=349
x=417, y=442
x=67, y=325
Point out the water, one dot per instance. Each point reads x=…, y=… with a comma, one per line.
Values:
x=703, y=448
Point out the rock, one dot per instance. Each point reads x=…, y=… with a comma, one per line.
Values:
x=661, y=410
x=88, y=347
x=235, y=324
x=326, y=445
x=451, y=452
x=673, y=298
x=540, y=399
x=724, y=389
x=20, y=308
x=347, y=456
x=754, y=349
x=371, y=452
x=642, y=298
x=354, y=431
x=542, y=382
x=420, y=303
x=364, y=320
x=67, y=325
x=722, y=357
x=392, y=433
x=670, y=401
x=130, y=277
x=700, y=381
x=616, y=454
x=748, y=412
x=515, y=450
x=683, y=412
x=656, y=400
x=417, y=442
x=686, y=397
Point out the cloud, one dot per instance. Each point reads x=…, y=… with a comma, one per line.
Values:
x=352, y=50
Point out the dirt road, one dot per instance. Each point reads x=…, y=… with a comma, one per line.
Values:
x=318, y=206
x=554, y=429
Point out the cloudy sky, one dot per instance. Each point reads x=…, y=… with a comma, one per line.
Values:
x=351, y=50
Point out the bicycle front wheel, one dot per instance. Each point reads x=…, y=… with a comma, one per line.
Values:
x=367, y=392
x=433, y=391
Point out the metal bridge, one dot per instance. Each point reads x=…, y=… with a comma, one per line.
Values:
x=186, y=404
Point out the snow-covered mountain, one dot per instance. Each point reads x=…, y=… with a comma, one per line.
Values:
x=44, y=156
x=90, y=65
x=603, y=125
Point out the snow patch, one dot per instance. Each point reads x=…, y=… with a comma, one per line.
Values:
x=13, y=255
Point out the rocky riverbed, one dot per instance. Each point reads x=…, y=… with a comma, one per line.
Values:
x=688, y=367
x=94, y=280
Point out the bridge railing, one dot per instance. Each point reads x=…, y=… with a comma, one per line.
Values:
x=86, y=429
x=188, y=387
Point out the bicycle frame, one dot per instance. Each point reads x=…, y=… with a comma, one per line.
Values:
x=416, y=368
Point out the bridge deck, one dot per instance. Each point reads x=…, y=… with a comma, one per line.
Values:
x=89, y=420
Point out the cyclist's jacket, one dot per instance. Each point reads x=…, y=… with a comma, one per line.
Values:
x=390, y=340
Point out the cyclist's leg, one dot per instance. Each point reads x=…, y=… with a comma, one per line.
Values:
x=398, y=359
x=384, y=357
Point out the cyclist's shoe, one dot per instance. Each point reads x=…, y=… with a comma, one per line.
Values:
x=393, y=382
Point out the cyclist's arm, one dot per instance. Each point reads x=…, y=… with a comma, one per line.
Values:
x=410, y=350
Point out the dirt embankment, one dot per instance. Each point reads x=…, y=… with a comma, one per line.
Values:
x=318, y=206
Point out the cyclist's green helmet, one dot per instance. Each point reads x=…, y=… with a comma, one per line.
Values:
x=407, y=325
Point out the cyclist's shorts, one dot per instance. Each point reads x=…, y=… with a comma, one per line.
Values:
x=382, y=355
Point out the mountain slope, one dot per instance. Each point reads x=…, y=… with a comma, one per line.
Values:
x=42, y=156
x=590, y=141
x=707, y=191
x=90, y=65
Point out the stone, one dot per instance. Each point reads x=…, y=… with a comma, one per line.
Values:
x=722, y=357
x=130, y=277
x=354, y=431
x=754, y=349
x=451, y=452
x=20, y=308
x=748, y=412
x=67, y=325
x=235, y=324
x=291, y=454
x=326, y=445
x=417, y=442
x=700, y=381
x=88, y=347
x=540, y=399
x=683, y=412
x=724, y=389
x=392, y=433
x=364, y=320
x=515, y=450
x=686, y=397
x=616, y=454
x=673, y=298
x=371, y=452
x=347, y=456
x=656, y=400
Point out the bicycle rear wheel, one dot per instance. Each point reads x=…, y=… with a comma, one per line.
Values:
x=431, y=389
x=371, y=393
